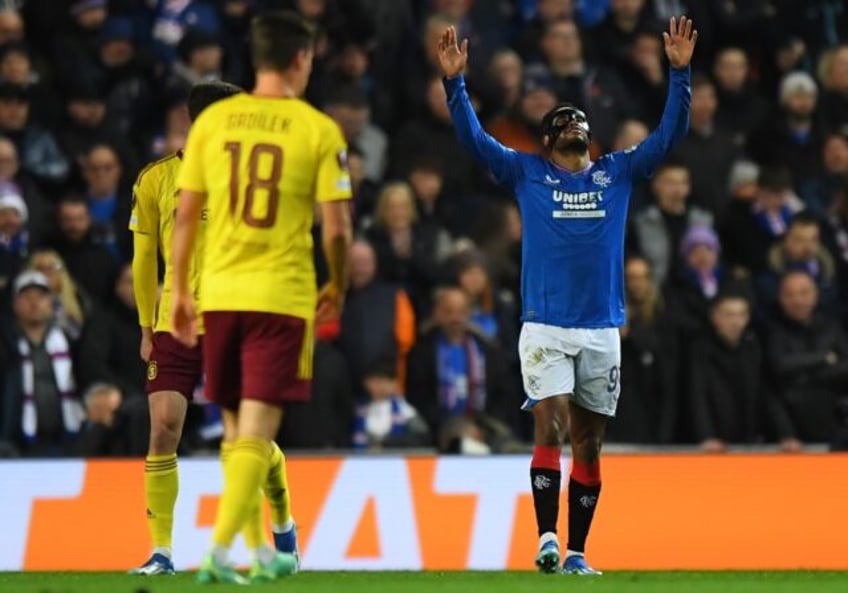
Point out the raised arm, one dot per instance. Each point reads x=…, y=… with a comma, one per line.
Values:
x=500, y=160
x=679, y=45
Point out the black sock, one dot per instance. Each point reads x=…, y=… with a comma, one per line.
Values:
x=545, y=484
x=582, y=500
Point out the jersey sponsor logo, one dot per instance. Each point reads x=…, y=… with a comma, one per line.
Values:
x=584, y=204
x=551, y=180
x=601, y=179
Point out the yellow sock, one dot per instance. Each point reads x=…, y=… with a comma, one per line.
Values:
x=253, y=531
x=277, y=489
x=161, y=484
x=244, y=471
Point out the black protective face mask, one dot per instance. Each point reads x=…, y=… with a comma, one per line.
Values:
x=560, y=118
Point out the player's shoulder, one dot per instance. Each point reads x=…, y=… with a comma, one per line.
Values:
x=612, y=162
x=154, y=172
x=315, y=117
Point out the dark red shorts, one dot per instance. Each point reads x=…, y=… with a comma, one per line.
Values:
x=173, y=366
x=259, y=356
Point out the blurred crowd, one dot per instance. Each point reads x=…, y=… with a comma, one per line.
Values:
x=737, y=249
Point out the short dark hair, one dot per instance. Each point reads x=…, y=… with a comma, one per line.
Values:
x=276, y=37
x=774, y=178
x=347, y=95
x=671, y=163
x=729, y=294
x=701, y=80
x=804, y=218
x=204, y=94
x=73, y=198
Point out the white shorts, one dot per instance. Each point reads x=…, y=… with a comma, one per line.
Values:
x=584, y=364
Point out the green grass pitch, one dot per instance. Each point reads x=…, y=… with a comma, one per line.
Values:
x=444, y=582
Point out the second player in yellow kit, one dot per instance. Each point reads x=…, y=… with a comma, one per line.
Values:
x=259, y=163
x=262, y=162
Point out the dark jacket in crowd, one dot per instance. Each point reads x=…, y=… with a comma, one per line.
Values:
x=809, y=366
x=648, y=408
x=326, y=420
x=728, y=397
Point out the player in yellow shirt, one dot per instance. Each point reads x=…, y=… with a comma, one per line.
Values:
x=174, y=370
x=259, y=163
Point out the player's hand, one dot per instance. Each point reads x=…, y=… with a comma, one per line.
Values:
x=330, y=302
x=146, y=343
x=713, y=446
x=452, y=56
x=680, y=42
x=791, y=445
x=184, y=319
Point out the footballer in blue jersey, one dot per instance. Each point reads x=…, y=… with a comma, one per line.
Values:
x=573, y=212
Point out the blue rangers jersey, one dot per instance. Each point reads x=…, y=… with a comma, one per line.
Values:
x=572, y=273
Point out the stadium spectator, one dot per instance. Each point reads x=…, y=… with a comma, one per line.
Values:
x=741, y=108
x=835, y=231
x=615, y=35
x=109, y=201
x=833, y=75
x=800, y=249
x=658, y=230
x=698, y=280
x=506, y=72
x=629, y=133
x=90, y=263
x=459, y=382
x=39, y=152
x=408, y=253
x=378, y=321
x=172, y=20
x=325, y=421
x=547, y=11
x=16, y=67
x=71, y=305
x=431, y=136
x=820, y=193
x=749, y=227
x=595, y=89
x=729, y=402
x=648, y=408
x=11, y=25
x=708, y=150
x=41, y=414
x=386, y=419
x=434, y=207
x=644, y=74
x=519, y=127
x=808, y=359
x=108, y=349
x=113, y=427
x=87, y=125
x=199, y=59
x=40, y=221
x=14, y=237
x=74, y=51
x=492, y=309
x=127, y=77
x=792, y=136
x=348, y=106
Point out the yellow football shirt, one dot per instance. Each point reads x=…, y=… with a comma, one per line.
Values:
x=263, y=163
x=154, y=212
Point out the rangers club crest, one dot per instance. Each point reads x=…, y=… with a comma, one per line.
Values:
x=601, y=179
